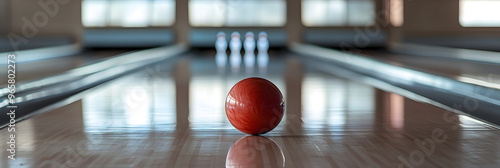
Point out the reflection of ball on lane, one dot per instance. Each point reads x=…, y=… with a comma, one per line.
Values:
x=255, y=151
x=254, y=106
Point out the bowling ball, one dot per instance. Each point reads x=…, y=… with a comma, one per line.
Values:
x=254, y=106
x=255, y=151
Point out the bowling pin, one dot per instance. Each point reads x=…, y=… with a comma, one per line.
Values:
x=262, y=47
x=235, y=46
x=249, y=46
x=221, y=47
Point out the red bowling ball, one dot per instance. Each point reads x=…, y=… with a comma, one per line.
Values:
x=254, y=106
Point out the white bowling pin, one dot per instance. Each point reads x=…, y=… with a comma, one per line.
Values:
x=221, y=47
x=235, y=46
x=262, y=46
x=221, y=43
x=249, y=58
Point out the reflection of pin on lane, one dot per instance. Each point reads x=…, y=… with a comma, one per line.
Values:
x=235, y=46
x=255, y=151
x=262, y=46
x=221, y=47
x=249, y=45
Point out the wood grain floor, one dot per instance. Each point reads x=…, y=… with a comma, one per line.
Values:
x=176, y=118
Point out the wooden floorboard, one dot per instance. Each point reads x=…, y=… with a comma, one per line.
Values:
x=176, y=118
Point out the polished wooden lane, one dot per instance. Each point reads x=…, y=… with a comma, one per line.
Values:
x=475, y=72
x=40, y=69
x=175, y=118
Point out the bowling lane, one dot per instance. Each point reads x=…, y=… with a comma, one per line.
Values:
x=48, y=67
x=479, y=73
x=163, y=117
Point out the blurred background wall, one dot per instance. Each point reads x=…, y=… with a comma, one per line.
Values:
x=326, y=22
x=63, y=21
x=4, y=16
